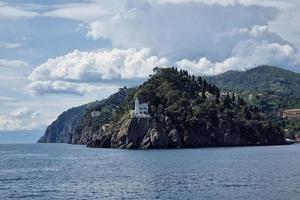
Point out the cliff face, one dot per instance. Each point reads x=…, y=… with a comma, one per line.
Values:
x=63, y=128
x=133, y=133
x=77, y=126
x=92, y=126
x=148, y=133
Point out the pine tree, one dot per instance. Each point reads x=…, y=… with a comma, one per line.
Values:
x=203, y=94
x=227, y=101
x=233, y=97
x=217, y=93
x=204, y=84
x=200, y=80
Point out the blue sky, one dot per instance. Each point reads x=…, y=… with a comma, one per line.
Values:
x=58, y=54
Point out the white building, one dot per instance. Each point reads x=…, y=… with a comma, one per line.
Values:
x=140, y=110
x=210, y=96
x=95, y=114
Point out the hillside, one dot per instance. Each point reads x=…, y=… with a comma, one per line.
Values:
x=271, y=89
x=67, y=127
x=260, y=79
x=186, y=112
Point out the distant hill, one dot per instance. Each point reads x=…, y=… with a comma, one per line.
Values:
x=271, y=89
x=260, y=79
x=276, y=87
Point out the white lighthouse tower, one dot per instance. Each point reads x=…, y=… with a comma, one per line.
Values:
x=140, y=110
x=137, y=106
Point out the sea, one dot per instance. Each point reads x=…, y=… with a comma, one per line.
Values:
x=62, y=171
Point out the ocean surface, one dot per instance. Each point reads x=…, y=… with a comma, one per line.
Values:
x=61, y=171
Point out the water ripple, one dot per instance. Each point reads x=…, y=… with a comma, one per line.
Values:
x=75, y=172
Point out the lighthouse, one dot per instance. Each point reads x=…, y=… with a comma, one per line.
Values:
x=137, y=106
x=140, y=110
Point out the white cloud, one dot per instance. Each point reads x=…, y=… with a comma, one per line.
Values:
x=80, y=66
x=24, y=119
x=185, y=30
x=8, y=45
x=75, y=72
x=80, y=11
x=4, y=98
x=9, y=11
x=211, y=2
x=4, y=63
x=13, y=74
x=245, y=55
x=64, y=87
x=12, y=69
x=210, y=36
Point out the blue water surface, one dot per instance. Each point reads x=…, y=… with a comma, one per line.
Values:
x=61, y=171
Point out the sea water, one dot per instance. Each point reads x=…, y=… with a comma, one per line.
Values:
x=61, y=171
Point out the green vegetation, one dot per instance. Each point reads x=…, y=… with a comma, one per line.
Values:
x=195, y=107
x=271, y=89
x=186, y=111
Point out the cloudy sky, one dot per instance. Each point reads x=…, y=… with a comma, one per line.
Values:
x=56, y=54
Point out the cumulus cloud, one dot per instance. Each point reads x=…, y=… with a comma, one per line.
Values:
x=23, y=119
x=204, y=36
x=80, y=66
x=9, y=11
x=75, y=72
x=64, y=87
x=185, y=30
x=246, y=55
x=217, y=32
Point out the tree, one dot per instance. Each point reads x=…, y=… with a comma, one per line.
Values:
x=199, y=80
x=160, y=109
x=204, y=84
x=152, y=109
x=233, y=97
x=241, y=101
x=156, y=70
x=227, y=101
x=203, y=94
x=209, y=88
x=217, y=95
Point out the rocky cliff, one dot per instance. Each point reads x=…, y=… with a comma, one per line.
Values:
x=148, y=133
x=77, y=126
x=133, y=133
x=63, y=128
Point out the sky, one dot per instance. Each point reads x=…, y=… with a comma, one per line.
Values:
x=57, y=54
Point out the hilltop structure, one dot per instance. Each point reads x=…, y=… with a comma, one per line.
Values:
x=140, y=109
x=291, y=114
x=95, y=114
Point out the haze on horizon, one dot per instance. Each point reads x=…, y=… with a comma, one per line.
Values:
x=58, y=54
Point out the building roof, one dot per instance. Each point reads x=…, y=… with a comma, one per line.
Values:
x=292, y=110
